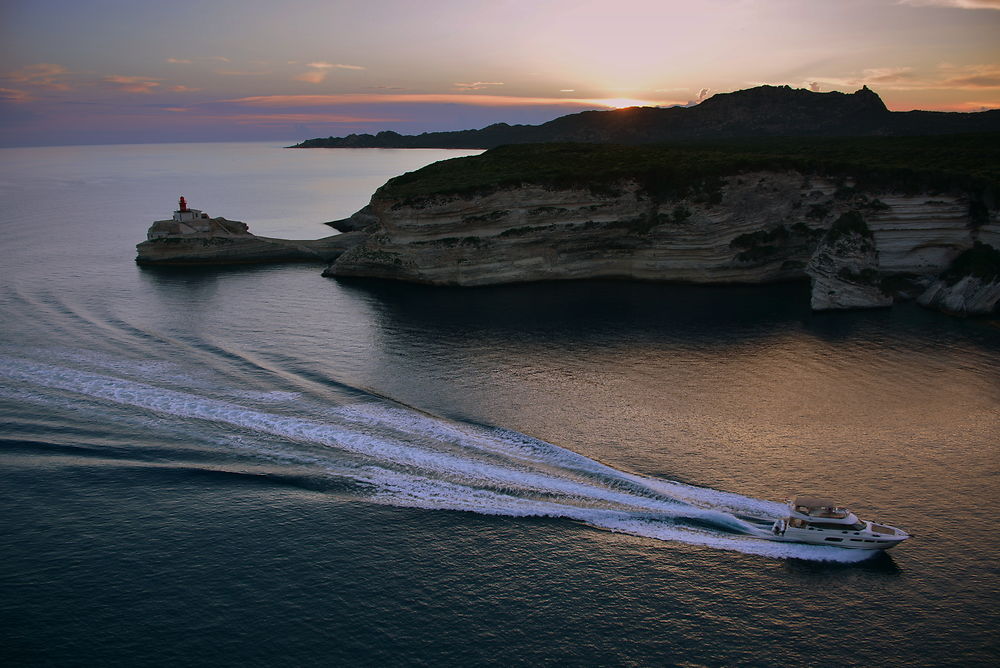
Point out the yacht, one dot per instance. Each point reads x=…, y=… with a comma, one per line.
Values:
x=820, y=521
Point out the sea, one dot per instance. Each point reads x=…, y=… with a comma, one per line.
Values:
x=260, y=466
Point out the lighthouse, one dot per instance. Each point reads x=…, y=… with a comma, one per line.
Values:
x=185, y=215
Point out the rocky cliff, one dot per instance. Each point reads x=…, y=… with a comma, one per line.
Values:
x=970, y=286
x=861, y=240
x=844, y=268
x=214, y=241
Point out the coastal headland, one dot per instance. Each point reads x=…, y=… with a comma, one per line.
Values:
x=869, y=220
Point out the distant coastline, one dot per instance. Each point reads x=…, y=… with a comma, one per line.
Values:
x=764, y=111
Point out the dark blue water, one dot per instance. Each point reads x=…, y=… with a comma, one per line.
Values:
x=261, y=466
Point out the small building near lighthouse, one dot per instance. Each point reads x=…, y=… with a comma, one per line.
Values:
x=188, y=222
x=183, y=214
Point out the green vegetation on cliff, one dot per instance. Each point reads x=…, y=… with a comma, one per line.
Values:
x=968, y=163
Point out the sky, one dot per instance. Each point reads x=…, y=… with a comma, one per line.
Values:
x=131, y=71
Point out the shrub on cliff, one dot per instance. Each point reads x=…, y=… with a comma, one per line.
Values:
x=969, y=164
x=849, y=223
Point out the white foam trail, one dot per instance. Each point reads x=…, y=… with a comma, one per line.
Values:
x=411, y=459
x=401, y=490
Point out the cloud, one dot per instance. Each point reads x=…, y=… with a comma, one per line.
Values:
x=12, y=95
x=179, y=61
x=320, y=71
x=887, y=75
x=432, y=98
x=330, y=66
x=183, y=89
x=975, y=106
x=814, y=86
x=132, y=84
x=42, y=75
x=945, y=76
x=971, y=76
x=311, y=77
x=703, y=94
x=242, y=73
x=268, y=119
x=958, y=4
x=476, y=85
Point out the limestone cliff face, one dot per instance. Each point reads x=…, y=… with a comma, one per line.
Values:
x=219, y=241
x=845, y=268
x=752, y=228
x=970, y=295
x=970, y=285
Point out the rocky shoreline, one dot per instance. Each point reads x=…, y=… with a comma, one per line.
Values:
x=216, y=241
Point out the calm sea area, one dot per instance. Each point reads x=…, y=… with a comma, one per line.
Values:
x=259, y=466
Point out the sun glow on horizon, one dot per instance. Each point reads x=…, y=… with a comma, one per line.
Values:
x=626, y=102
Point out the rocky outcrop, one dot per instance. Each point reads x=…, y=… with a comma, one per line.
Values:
x=967, y=296
x=970, y=286
x=363, y=220
x=211, y=241
x=844, y=269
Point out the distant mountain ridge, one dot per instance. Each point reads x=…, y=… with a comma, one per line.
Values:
x=764, y=111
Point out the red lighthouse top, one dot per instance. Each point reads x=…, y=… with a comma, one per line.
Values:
x=183, y=205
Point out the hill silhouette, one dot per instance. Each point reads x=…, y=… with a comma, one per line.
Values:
x=764, y=111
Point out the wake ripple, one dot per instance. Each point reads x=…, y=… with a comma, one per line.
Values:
x=408, y=458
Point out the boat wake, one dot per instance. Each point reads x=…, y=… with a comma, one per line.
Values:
x=400, y=456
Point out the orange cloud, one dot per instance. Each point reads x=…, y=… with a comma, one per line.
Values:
x=311, y=77
x=12, y=95
x=179, y=61
x=429, y=98
x=971, y=106
x=43, y=75
x=132, y=84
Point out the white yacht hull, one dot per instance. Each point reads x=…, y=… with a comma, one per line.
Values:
x=849, y=541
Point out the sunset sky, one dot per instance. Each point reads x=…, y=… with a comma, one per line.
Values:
x=113, y=71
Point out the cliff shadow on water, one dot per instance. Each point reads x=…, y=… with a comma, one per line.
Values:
x=595, y=310
x=589, y=310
